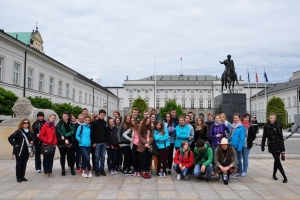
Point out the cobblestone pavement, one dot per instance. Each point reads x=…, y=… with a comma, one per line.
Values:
x=257, y=185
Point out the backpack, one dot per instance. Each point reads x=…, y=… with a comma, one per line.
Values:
x=81, y=130
x=188, y=153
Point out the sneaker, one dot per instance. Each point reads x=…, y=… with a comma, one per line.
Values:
x=235, y=175
x=112, y=172
x=51, y=175
x=144, y=175
x=221, y=177
x=169, y=172
x=115, y=171
x=97, y=173
x=90, y=175
x=138, y=174
x=178, y=176
x=130, y=173
x=47, y=175
x=120, y=169
x=187, y=177
x=208, y=180
x=164, y=175
x=160, y=175
x=125, y=172
x=148, y=175
x=38, y=171
x=84, y=175
x=244, y=174
x=103, y=173
x=150, y=172
x=230, y=178
x=78, y=171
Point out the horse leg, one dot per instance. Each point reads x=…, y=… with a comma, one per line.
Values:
x=232, y=86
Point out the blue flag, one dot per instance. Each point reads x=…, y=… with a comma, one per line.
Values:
x=248, y=78
x=266, y=78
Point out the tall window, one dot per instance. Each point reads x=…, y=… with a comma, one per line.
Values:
x=100, y=102
x=130, y=91
x=73, y=95
x=209, y=91
x=147, y=102
x=192, y=103
x=289, y=102
x=201, y=91
x=166, y=91
x=192, y=91
x=59, y=88
x=130, y=103
x=29, y=78
x=1, y=68
x=183, y=104
x=90, y=99
x=174, y=91
x=67, y=90
x=201, y=104
x=209, y=103
x=41, y=82
x=16, y=74
x=85, y=98
x=97, y=101
x=157, y=91
x=80, y=96
x=183, y=91
x=51, y=81
x=157, y=103
x=295, y=101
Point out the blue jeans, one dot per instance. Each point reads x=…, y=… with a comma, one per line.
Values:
x=239, y=157
x=112, y=158
x=48, y=162
x=100, y=151
x=208, y=170
x=245, y=154
x=183, y=173
x=85, y=152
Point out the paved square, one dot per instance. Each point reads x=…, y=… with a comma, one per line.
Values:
x=257, y=185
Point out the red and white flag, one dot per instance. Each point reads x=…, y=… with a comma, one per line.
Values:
x=181, y=59
x=256, y=78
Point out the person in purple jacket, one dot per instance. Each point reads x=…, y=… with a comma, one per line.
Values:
x=217, y=132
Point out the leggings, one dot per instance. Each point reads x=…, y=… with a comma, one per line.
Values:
x=277, y=164
x=69, y=151
x=162, y=159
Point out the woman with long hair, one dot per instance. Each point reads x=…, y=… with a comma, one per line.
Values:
x=21, y=140
x=112, y=148
x=217, y=132
x=226, y=122
x=154, y=157
x=48, y=136
x=66, y=139
x=200, y=129
x=145, y=141
x=161, y=139
x=183, y=160
x=170, y=126
x=182, y=133
x=273, y=132
x=117, y=121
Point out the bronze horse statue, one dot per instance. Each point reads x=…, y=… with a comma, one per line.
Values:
x=229, y=75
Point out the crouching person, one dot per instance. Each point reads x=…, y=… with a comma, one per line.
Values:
x=183, y=160
x=203, y=158
x=225, y=160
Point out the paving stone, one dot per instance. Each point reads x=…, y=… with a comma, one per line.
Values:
x=208, y=194
x=47, y=194
x=146, y=194
x=68, y=194
x=224, y=194
x=187, y=195
x=107, y=194
x=248, y=195
x=94, y=186
x=28, y=194
x=128, y=194
x=90, y=194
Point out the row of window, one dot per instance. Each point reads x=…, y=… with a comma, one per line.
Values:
x=289, y=103
x=173, y=91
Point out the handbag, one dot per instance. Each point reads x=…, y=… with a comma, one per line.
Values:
x=47, y=149
x=154, y=150
x=31, y=149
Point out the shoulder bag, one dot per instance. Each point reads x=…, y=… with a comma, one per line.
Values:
x=47, y=149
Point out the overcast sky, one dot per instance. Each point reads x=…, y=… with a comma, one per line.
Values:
x=108, y=40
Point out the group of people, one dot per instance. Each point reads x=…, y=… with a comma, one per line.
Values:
x=138, y=148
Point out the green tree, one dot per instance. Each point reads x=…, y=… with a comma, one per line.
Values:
x=140, y=104
x=276, y=105
x=170, y=104
x=7, y=101
x=42, y=103
x=76, y=111
x=60, y=108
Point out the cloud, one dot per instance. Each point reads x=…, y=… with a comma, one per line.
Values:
x=108, y=40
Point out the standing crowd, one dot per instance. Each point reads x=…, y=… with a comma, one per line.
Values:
x=198, y=147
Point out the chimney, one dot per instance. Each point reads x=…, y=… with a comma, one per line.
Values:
x=240, y=77
x=127, y=78
x=16, y=36
x=150, y=78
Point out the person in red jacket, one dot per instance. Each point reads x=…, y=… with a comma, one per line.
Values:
x=47, y=136
x=183, y=160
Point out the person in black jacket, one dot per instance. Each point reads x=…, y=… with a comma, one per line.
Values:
x=112, y=148
x=99, y=137
x=20, y=140
x=273, y=132
x=37, y=125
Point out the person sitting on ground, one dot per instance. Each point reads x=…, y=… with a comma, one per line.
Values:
x=183, y=160
x=225, y=160
x=203, y=158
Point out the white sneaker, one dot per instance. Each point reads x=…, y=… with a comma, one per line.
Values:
x=164, y=175
x=244, y=174
x=111, y=172
x=84, y=175
x=178, y=176
x=187, y=177
x=90, y=175
x=115, y=171
x=38, y=171
x=160, y=175
x=221, y=177
x=235, y=175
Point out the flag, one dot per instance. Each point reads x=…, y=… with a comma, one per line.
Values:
x=248, y=78
x=256, y=78
x=266, y=78
x=181, y=59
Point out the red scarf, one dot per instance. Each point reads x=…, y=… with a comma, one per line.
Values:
x=246, y=124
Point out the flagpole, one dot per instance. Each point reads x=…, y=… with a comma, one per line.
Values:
x=256, y=94
x=249, y=90
x=155, y=84
x=265, y=87
x=181, y=64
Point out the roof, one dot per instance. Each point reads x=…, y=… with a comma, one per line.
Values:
x=182, y=78
x=279, y=87
x=24, y=37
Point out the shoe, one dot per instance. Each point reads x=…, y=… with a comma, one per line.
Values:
x=51, y=175
x=150, y=172
x=90, y=175
x=221, y=177
x=275, y=178
x=120, y=169
x=97, y=173
x=73, y=173
x=160, y=175
x=102, y=173
x=63, y=173
x=178, y=176
x=24, y=179
x=187, y=177
x=47, y=175
x=130, y=173
x=138, y=174
x=84, y=175
x=164, y=175
x=230, y=178
x=19, y=180
x=144, y=175
x=148, y=175
x=125, y=172
x=169, y=172
x=38, y=171
x=115, y=171
x=244, y=174
x=78, y=171
x=111, y=172
x=235, y=175
x=285, y=180
x=134, y=174
x=208, y=180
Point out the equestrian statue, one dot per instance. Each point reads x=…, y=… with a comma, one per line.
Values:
x=229, y=75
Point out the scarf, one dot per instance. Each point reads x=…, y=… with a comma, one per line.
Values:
x=234, y=125
x=246, y=124
x=51, y=124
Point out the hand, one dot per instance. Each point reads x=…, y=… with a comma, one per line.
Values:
x=219, y=135
x=131, y=140
x=94, y=145
x=16, y=145
x=31, y=142
x=37, y=135
x=183, y=168
x=107, y=147
x=67, y=141
x=112, y=147
x=147, y=145
x=203, y=168
x=62, y=137
x=120, y=145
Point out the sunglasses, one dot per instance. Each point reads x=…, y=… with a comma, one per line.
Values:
x=25, y=122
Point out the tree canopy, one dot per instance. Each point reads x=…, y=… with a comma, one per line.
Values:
x=7, y=101
x=141, y=105
x=170, y=104
x=276, y=105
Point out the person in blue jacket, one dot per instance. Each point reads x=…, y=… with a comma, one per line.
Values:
x=182, y=133
x=170, y=126
x=83, y=135
x=161, y=139
x=237, y=140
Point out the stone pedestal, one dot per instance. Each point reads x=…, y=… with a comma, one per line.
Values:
x=229, y=104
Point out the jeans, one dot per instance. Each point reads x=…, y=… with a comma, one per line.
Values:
x=245, y=154
x=77, y=157
x=162, y=159
x=69, y=152
x=127, y=157
x=37, y=158
x=100, y=151
x=170, y=155
x=112, y=158
x=85, y=151
x=239, y=157
x=183, y=173
x=21, y=163
x=208, y=170
x=146, y=159
x=48, y=162
x=136, y=159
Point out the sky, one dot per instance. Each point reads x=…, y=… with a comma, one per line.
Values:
x=108, y=40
